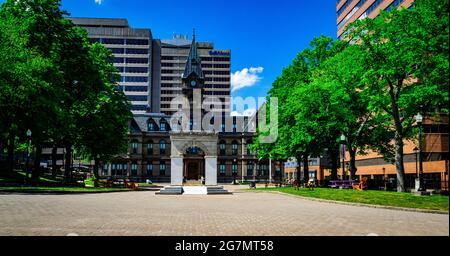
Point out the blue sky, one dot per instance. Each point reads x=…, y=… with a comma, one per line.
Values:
x=265, y=35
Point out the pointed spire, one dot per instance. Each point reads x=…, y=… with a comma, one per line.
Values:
x=193, y=64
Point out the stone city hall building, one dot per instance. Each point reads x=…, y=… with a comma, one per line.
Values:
x=155, y=74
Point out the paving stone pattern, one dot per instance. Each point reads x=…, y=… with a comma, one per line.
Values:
x=240, y=214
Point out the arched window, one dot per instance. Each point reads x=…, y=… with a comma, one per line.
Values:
x=162, y=147
x=234, y=148
x=150, y=147
x=222, y=147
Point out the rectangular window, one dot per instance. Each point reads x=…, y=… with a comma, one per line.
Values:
x=222, y=169
x=234, y=168
x=136, y=88
x=136, y=70
x=134, y=147
x=149, y=169
x=134, y=168
x=250, y=169
x=136, y=79
x=137, y=42
x=162, y=169
x=137, y=98
x=150, y=149
x=139, y=108
x=118, y=60
x=137, y=60
x=137, y=51
x=117, y=50
x=112, y=41
x=163, y=127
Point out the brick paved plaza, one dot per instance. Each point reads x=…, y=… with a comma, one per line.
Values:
x=244, y=213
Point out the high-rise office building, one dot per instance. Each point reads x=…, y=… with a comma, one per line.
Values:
x=169, y=62
x=132, y=50
x=351, y=10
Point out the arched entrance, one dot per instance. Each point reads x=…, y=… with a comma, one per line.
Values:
x=200, y=163
x=194, y=166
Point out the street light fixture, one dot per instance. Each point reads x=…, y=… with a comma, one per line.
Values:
x=29, y=133
x=419, y=120
x=343, y=142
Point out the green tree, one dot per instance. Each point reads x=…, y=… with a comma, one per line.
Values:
x=294, y=139
x=407, y=56
x=104, y=133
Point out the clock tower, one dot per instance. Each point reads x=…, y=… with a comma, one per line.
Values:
x=193, y=77
x=193, y=82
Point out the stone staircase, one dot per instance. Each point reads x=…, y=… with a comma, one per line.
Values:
x=217, y=190
x=194, y=190
x=170, y=191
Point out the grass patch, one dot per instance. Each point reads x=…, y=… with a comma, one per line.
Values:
x=404, y=200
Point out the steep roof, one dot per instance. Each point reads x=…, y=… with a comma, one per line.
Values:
x=193, y=64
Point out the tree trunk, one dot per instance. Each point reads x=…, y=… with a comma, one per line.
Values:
x=10, y=159
x=54, y=160
x=35, y=174
x=334, y=163
x=399, y=166
x=306, y=167
x=68, y=164
x=96, y=161
x=299, y=169
x=352, y=165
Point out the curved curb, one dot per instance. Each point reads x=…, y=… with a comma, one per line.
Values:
x=355, y=204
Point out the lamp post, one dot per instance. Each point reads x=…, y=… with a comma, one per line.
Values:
x=343, y=142
x=29, y=133
x=416, y=152
x=384, y=179
x=234, y=173
x=419, y=120
x=270, y=169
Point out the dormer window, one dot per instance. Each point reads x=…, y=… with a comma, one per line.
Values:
x=163, y=127
x=150, y=126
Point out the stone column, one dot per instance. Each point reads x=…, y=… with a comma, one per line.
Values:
x=211, y=170
x=176, y=171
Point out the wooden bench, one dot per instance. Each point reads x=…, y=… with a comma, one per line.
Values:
x=341, y=183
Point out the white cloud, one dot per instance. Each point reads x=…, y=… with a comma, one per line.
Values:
x=99, y=2
x=248, y=112
x=247, y=77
